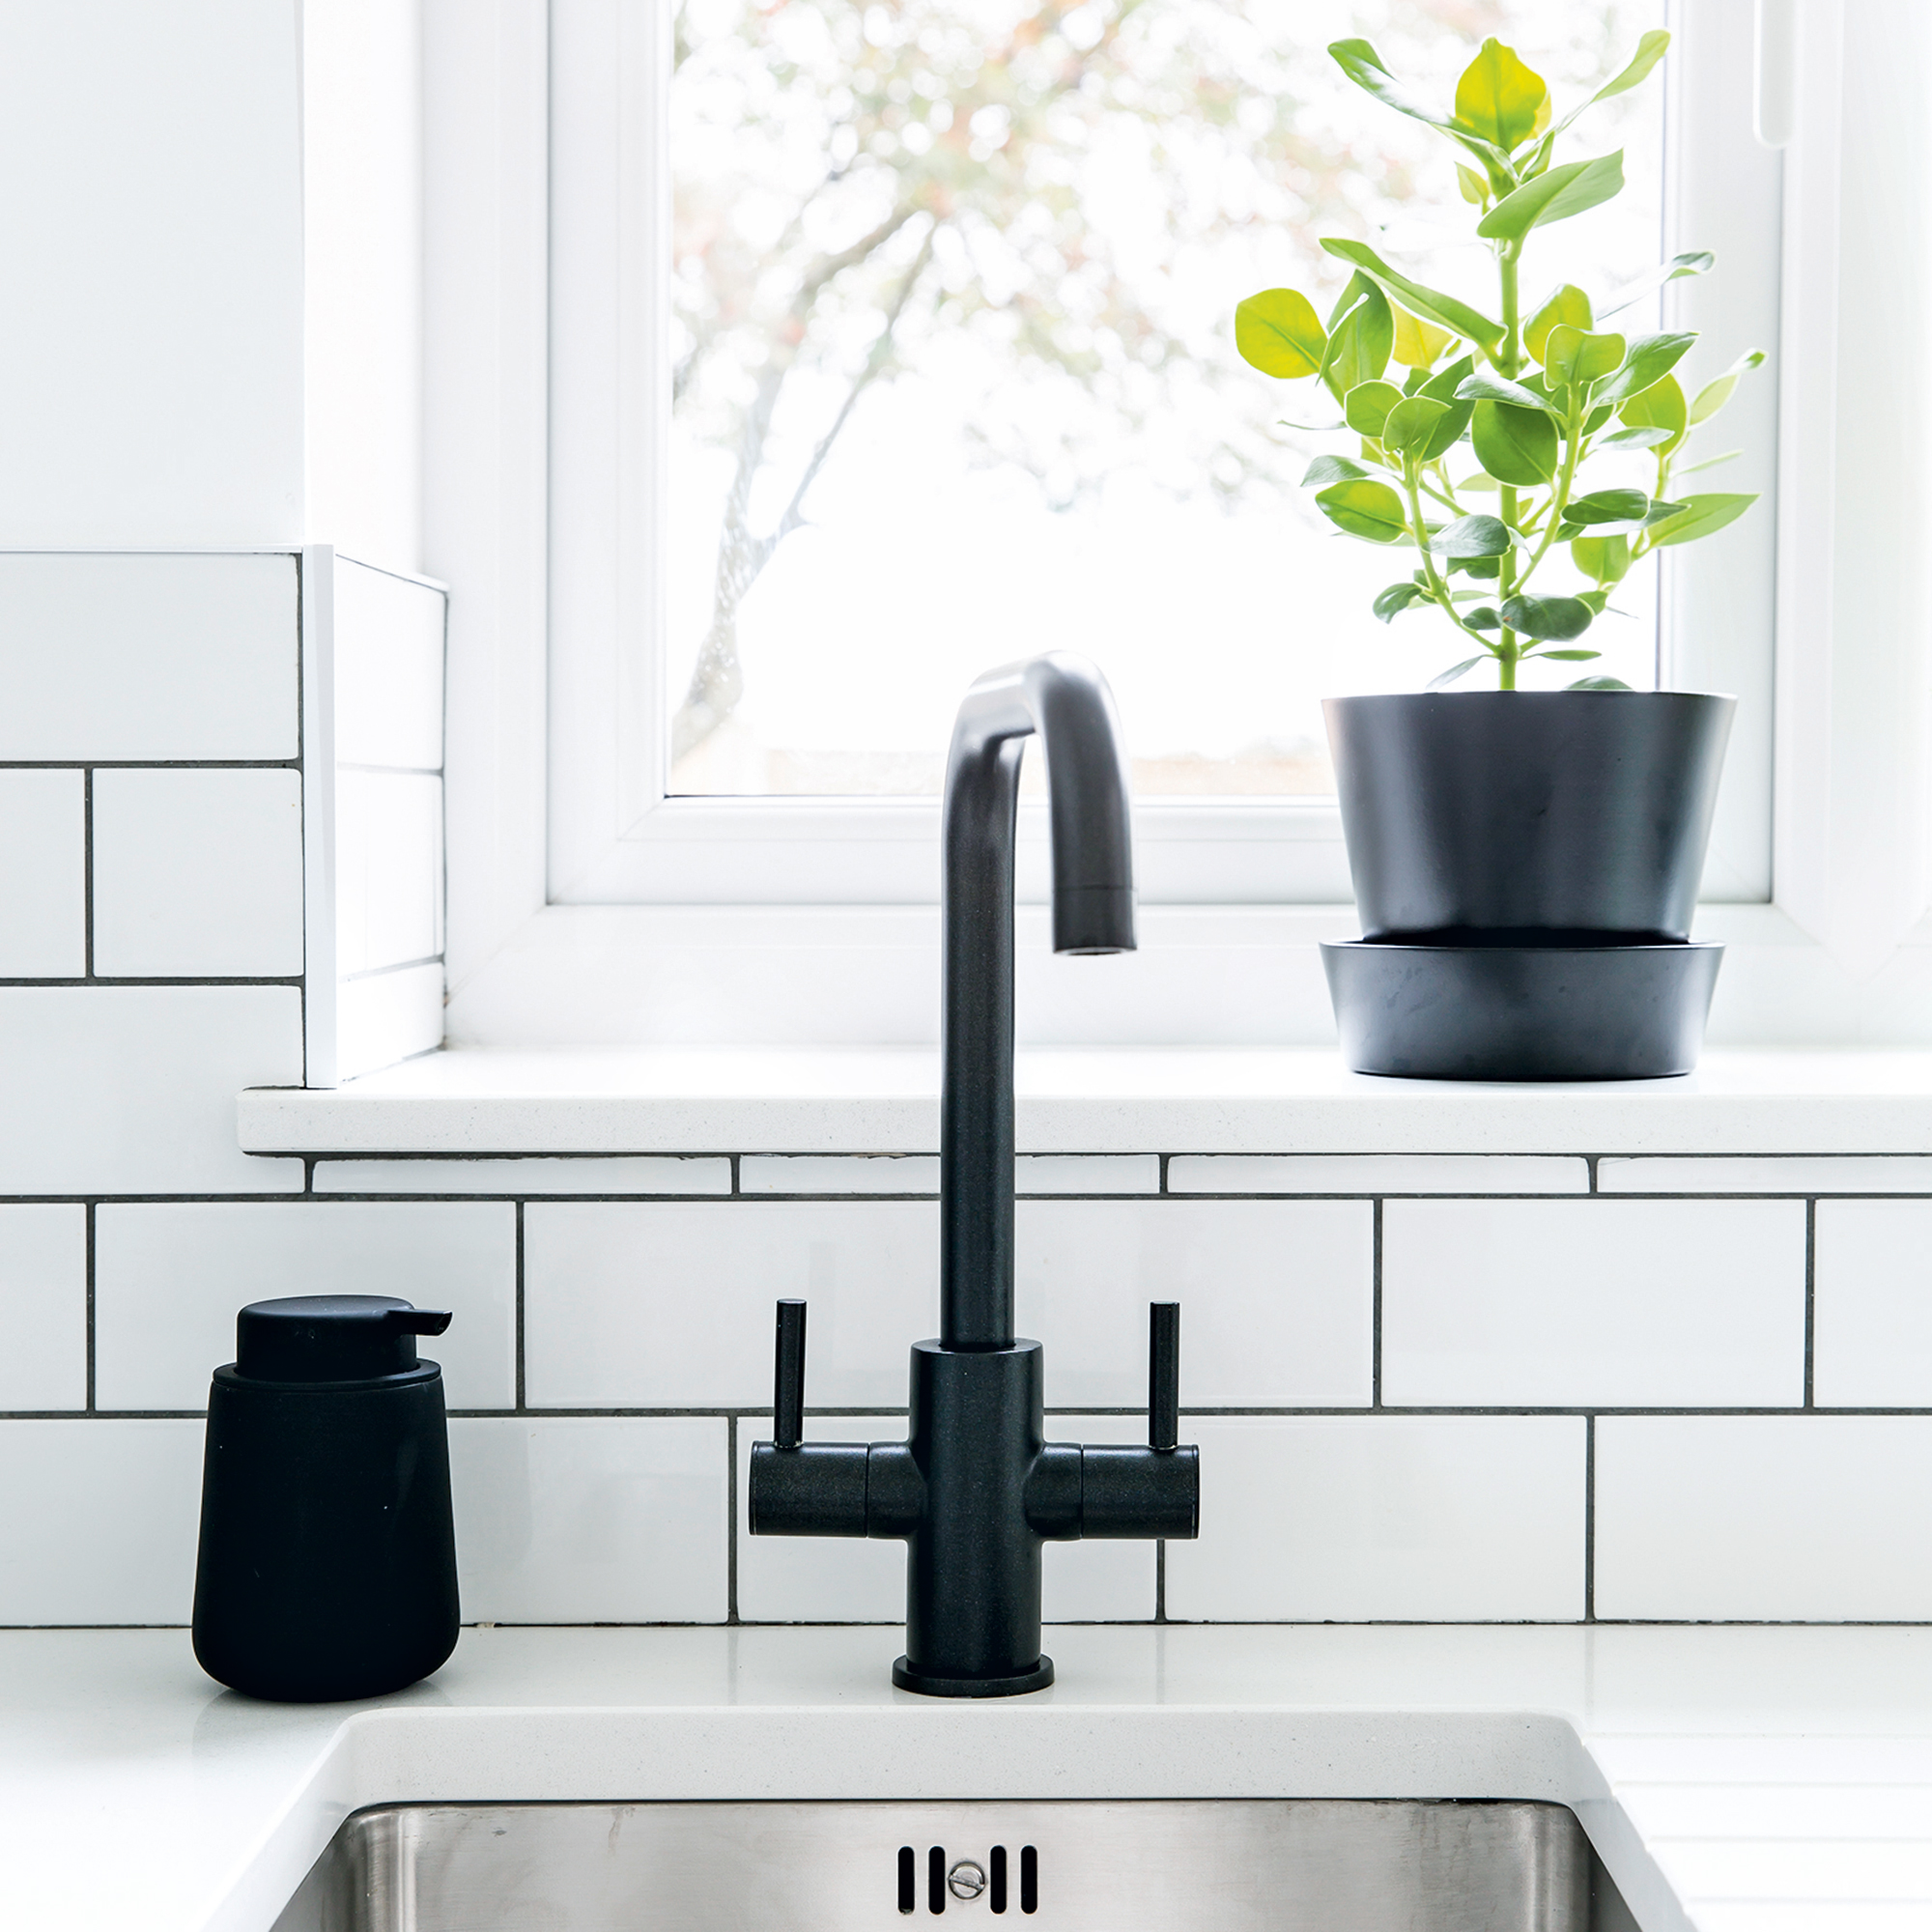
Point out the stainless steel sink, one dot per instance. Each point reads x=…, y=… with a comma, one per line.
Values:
x=1220, y=1865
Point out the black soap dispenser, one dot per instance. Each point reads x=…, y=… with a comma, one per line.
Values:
x=328, y=1561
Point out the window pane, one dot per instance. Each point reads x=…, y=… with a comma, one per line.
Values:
x=955, y=379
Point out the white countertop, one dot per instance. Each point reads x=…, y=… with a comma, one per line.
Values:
x=1770, y=1780
x=1088, y=1100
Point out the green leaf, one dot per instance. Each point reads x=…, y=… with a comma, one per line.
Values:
x=1646, y=438
x=1660, y=406
x=1595, y=599
x=1410, y=427
x=1331, y=470
x=1473, y=536
x=1575, y=656
x=1396, y=599
x=1366, y=406
x=1360, y=341
x=1454, y=672
x=1651, y=358
x=1448, y=432
x=1443, y=385
x=1431, y=304
x=1597, y=684
x=1500, y=98
x=1606, y=506
x=1607, y=560
x=1571, y=355
x=1277, y=332
x=1694, y=262
x=1514, y=445
x=1361, y=62
x=1710, y=462
x=1484, y=620
x=1699, y=517
x=1484, y=568
x=1569, y=305
x=1365, y=508
x=1554, y=196
x=1485, y=388
x=1418, y=343
x=1556, y=618
x=1713, y=396
x=1474, y=187
x=1650, y=50
x=1659, y=512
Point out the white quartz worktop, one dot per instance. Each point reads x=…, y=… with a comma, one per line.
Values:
x=1770, y=1780
x=1088, y=1100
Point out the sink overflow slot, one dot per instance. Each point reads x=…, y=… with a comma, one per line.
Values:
x=966, y=1879
x=999, y=1878
x=935, y=1880
x=908, y=1878
x=1029, y=1878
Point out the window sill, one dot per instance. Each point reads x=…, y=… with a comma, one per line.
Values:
x=1086, y=1100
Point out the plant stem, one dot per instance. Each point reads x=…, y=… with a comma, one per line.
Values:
x=1508, y=362
x=1411, y=473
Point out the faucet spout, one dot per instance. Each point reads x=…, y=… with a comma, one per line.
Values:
x=1065, y=700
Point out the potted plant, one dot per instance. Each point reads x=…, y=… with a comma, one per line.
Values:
x=1526, y=861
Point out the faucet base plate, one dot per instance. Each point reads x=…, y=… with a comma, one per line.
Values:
x=906, y=1678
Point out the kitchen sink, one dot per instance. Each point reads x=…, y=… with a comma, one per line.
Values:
x=1231, y=1865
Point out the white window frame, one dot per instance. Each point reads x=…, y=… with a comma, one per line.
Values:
x=586, y=906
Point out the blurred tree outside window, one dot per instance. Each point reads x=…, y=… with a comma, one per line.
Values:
x=954, y=376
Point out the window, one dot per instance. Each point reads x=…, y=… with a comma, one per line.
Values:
x=582, y=509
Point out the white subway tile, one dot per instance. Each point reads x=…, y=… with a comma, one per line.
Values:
x=169, y=1277
x=43, y=875
x=44, y=1306
x=197, y=872
x=564, y=1521
x=1872, y=1345
x=1276, y=1298
x=389, y=882
x=388, y=670
x=130, y=1090
x=1766, y=1174
x=1342, y=1519
x=1568, y=1304
x=839, y=1174
x=528, y=1175
x=669, y=1305
x=1378, y=1173
x=1804, y=1518
x=157, y=656
x=1087, y=1173
x=98, y=1521
x=383, y=1017
x=836, y=1579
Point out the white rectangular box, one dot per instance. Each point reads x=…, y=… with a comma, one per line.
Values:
x=198, y=874
x=1276, y=1298
x=43, y=875
x=1803, y=1517
x=44, y=1306
x=170, y=1276
x=106, y=656
x=1872, y=1320
x=669, y=1305
x=1766, y=1174
x=1560, y=1304
x=1376, y=1174
x=98, y=1519
x=1361, y=1519
x=388, y=670
x=854, y=1579
x=531, y=1174
x=566, y=1520
x=130, y=1090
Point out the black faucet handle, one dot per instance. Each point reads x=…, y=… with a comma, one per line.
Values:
x=789, y=1385
x=1163, y=1373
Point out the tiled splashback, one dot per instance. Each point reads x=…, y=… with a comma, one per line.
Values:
x=1438, y=1387
x=1541, y=1401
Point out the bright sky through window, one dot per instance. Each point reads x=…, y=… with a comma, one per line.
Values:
x=955, y=378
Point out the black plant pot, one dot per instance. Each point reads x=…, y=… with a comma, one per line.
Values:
x=1526, y=865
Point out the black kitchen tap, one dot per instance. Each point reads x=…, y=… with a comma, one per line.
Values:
x=976, y=1489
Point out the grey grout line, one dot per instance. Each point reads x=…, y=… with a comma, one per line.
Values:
x=731, y=1519
x=150, y=764
x=154, y=978
x=521, y=1389
x=1590, y=1161
x=1161, y=1581
x=1589, y=1519
x=87, y=873
x=1375, y=1310
x=1811, y=1298
x=90, y=1343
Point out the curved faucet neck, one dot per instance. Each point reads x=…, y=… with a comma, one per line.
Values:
x=1065, y=699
